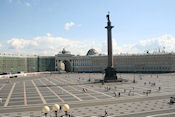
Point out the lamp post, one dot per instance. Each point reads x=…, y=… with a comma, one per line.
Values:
x=65, y=109
x=46, y=110
x=55, y=108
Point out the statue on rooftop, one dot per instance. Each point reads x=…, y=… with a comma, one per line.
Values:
x=108, y=18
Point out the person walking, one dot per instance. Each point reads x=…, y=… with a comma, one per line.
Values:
x=0, y=100
x=115, y=94
x=106, y=113
x=119, y=94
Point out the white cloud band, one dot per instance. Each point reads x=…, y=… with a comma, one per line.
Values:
x=49, y=45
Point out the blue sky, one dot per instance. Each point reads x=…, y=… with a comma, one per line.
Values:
x=135, y=21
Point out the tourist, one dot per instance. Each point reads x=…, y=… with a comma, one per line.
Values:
x=83, y=90
x=107, y=88
x=134, y=81
x=115, y=94
x=106, y=113
x=140, y=78
x=124, y=90
x=119, y=94
x=0, y=100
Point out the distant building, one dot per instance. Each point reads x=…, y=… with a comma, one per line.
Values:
x=14, y=63
x=92, y=62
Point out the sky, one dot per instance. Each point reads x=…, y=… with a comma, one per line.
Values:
x=45, y=27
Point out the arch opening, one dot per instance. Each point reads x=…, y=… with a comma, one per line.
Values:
x=64, y=65
x=67, y=66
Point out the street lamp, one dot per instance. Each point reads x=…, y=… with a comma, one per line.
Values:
x=65, y=108
x=55, y=108
x=46, y=110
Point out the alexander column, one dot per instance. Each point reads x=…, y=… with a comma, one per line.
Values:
x=110, y=73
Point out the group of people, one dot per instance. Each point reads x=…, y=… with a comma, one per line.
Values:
x=108, y=88
x=115, y=94
x=152, y=84
x=84, y=90
x=131, y=91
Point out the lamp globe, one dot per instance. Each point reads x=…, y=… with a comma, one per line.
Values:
x=46, y=110
x=65, y=107
x=56, y=107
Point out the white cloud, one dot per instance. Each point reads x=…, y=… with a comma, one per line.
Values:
x=68, y=25
x=48, y=34
x=49, y=45
x=27, y=4
x=165, y=41
x=16, y=43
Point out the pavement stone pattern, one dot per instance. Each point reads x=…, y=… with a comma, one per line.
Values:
x=113, y=109
x=47, y=89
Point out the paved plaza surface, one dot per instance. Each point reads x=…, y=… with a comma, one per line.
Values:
x=147, y=97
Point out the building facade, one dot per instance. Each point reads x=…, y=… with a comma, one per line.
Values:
x=144, y=63
x=15, y=64
x=92, y=62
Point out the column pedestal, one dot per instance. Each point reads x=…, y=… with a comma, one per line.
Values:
x=110, y=75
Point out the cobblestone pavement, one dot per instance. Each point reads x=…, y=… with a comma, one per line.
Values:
x=25, y=96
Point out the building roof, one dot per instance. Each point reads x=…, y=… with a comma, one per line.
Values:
x=92, y=52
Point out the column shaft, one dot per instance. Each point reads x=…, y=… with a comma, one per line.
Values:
x=110, y=57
